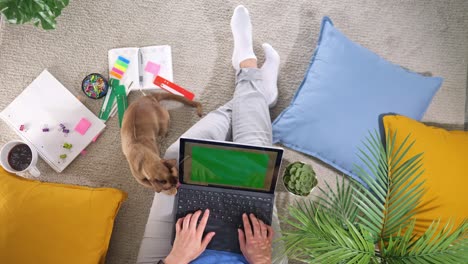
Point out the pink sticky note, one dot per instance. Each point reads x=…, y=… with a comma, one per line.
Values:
x=96, y=137
x=153, y=68
x=82, y=126
x=83, y=152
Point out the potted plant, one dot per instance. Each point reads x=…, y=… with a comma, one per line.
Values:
x=375, y=223
x=39, y=12
x=299, y=178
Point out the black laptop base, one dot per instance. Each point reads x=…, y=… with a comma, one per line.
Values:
x=226, y=208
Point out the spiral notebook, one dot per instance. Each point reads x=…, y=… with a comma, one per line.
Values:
x=141, y=65
x=37, y=113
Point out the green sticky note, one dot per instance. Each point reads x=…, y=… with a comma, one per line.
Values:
x=121, y=63
x=122, y=102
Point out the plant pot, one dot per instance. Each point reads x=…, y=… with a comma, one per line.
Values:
x=287, y=177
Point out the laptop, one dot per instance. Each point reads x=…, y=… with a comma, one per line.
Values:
x=229, y=179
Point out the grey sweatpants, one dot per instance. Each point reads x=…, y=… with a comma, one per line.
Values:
x=244, y=119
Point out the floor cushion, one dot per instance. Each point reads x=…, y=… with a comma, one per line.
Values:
x=445, y=165
x=345, y=90
x=55, y=223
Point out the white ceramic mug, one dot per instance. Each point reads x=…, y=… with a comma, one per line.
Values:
x=32, y=169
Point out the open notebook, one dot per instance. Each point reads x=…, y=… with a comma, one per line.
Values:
x=46, y=103
x=136, y=65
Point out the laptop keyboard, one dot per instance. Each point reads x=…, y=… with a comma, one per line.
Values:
x=223, y=206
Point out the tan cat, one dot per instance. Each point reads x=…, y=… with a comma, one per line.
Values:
x=144, y=121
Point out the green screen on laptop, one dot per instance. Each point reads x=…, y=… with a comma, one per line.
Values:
x=229, y=166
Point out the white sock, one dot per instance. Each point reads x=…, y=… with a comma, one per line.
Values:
x=242, y=33
x=270, y=74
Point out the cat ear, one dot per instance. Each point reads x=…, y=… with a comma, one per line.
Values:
x=172, y=163
x=172, y=166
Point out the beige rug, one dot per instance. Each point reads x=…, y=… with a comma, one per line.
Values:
x=420, y=35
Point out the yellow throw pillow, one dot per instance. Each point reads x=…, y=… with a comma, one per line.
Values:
x=445, y=161
x=55, y=223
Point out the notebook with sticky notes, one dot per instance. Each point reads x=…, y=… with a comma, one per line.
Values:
x=140, y=65
x=54, y=121
x=134, y=69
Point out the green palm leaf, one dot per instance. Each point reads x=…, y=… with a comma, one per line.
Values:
x=443, y=246
x=392, y=197
x=321, y=236
x=340, y=202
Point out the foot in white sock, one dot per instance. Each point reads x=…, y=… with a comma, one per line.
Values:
x=242, y=33
x=270, y=74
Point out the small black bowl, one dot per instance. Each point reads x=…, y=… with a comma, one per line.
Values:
x=95, y=86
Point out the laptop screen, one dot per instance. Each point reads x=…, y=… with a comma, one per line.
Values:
x=229, y=165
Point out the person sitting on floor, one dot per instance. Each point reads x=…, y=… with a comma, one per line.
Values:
x=245, y=119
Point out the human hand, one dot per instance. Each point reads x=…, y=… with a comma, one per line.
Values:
x=188, y=244
x=255, y=243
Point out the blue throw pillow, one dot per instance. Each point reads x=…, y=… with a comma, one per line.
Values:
x=344, y=92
